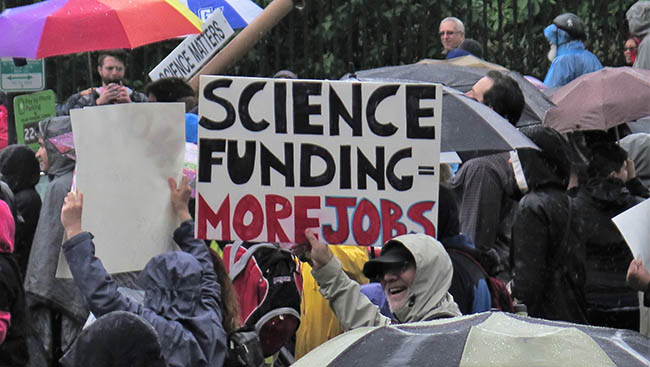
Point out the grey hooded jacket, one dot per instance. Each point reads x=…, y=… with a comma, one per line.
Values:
x=638, y=19
x=40, y=282
x=638, y=149
x=429, y=297
x=182, y=297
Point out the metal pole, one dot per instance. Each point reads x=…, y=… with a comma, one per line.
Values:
x=247, y=38
x=90, y=69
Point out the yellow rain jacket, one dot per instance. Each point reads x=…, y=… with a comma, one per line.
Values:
x=317, y=321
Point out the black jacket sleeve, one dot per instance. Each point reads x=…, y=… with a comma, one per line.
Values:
x=530, y=239
x=637, y=188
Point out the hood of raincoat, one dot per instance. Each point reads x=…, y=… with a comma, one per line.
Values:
x=609, y=193
x=51, y=128
x=172, y=284
x=19, y=167
x=429, y=297
x=562, y=39
x=7, y=229
x=119, y=338
x=548, y=166
x=638, y=149
x=638, y=18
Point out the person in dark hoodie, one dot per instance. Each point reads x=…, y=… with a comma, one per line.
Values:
x=469, y=284
x=116, y=339
x=612, y=187
x=57, y=309
x=546, y=258
x=20, y=170
x=13, y=310
x=182, y=292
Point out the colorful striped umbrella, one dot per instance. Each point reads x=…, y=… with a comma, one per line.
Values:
x=58, y=27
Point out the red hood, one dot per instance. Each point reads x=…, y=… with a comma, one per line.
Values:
x=7, y=229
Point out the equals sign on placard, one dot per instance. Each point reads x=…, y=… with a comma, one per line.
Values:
x=426, y=170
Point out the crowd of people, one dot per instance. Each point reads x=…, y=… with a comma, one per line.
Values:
x=527, y=227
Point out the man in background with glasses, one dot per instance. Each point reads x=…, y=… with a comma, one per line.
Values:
x=452, y=33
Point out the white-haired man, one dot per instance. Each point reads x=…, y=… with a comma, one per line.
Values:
x=452, y=33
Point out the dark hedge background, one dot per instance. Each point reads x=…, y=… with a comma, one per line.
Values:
x=329, y=38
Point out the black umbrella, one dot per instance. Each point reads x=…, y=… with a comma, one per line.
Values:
x=485, y=339
x=454, y=76
x=537, y=103
x=461, y=78
x=472, y=129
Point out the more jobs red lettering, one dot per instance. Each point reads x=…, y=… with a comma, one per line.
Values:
x=384, y=221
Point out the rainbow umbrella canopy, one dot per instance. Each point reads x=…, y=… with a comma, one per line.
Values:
x=59, y=27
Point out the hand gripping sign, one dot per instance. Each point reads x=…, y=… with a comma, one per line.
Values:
x=358, y=161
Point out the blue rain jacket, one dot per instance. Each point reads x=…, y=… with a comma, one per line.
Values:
x=572, y=58
x=182, y=297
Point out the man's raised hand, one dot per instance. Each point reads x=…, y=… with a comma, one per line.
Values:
x=320, y=252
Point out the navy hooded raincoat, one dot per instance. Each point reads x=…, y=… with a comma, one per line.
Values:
x=182, y=297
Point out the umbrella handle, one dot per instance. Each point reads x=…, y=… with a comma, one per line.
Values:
x=247, y=38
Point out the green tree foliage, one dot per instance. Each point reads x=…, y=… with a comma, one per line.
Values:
x=330, y=38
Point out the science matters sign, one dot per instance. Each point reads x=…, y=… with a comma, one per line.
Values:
x=196, y=50
x=358, y=161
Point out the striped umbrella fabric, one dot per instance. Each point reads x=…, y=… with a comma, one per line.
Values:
x=59, y=27
x=489, y=339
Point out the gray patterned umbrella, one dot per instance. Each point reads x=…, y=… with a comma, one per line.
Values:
x=485, y=339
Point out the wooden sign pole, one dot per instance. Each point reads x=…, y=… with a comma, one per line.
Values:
x=247, y=38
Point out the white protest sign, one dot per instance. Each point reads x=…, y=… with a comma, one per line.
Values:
x=357, y=161
x=125, y=153
x=634, y=225
x=188, y=57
